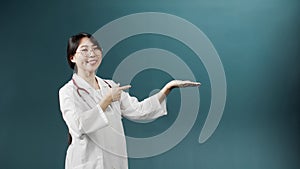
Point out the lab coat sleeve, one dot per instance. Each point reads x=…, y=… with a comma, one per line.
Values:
x=78, y=121
x=148, y=109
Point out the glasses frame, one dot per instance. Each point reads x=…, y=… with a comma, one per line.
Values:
x=89, y=52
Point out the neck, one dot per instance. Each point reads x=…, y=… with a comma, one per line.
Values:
x=89, y=77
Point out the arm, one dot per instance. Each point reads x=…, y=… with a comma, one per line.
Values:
x=174, y=84
x=79, y=121
x=105, y=102
x=148, y=109
x=152, y=107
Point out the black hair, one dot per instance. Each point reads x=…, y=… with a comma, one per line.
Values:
x=73, y=44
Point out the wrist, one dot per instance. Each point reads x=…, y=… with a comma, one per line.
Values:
x=105, y=102
x=167, y=89
x=109, y=98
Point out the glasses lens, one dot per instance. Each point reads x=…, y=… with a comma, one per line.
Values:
x=97, y=52
x=87, y=53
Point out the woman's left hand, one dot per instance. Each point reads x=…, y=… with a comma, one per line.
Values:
x=182, y=83
x=175, y=84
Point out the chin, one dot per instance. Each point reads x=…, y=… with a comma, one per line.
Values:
x=92, y=70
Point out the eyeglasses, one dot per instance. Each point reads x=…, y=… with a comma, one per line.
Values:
x=88, y=52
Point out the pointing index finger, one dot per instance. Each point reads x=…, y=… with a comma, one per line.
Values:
x=125, y=87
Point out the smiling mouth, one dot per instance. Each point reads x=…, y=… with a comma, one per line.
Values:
x=92, y=61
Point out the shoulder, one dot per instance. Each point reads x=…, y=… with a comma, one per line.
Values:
x=66, y=88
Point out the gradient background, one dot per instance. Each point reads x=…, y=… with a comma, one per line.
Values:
x=258, y=42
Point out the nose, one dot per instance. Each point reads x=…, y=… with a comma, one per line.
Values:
x=91, y=53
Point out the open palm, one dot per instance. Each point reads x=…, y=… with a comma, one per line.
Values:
x=183, y=83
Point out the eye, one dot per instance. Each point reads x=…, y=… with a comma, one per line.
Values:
x=84, y=50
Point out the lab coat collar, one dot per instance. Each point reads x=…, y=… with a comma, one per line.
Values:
x=82, y=83
x=101, y=82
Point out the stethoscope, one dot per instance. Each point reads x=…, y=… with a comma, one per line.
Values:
x=84, y=90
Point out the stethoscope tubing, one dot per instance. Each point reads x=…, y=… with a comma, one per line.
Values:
x=80, y=88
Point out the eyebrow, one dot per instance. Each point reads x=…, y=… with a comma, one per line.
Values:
x=86, y=46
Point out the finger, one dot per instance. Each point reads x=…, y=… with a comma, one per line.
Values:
x=196, y=84
x=125, y=87
x=116, y=98
x=190, y=84
x=193, y=83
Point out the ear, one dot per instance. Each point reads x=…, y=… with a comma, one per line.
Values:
x=72, y=58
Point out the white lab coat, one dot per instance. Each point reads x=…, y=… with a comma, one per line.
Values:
x=98, y=140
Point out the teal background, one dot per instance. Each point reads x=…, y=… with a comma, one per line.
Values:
x=258, y=42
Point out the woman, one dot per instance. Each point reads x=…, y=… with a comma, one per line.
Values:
x=92, y=109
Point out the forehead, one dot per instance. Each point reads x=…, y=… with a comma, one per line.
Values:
x=85, y=42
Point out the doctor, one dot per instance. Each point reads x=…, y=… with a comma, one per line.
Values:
x=93, y=108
